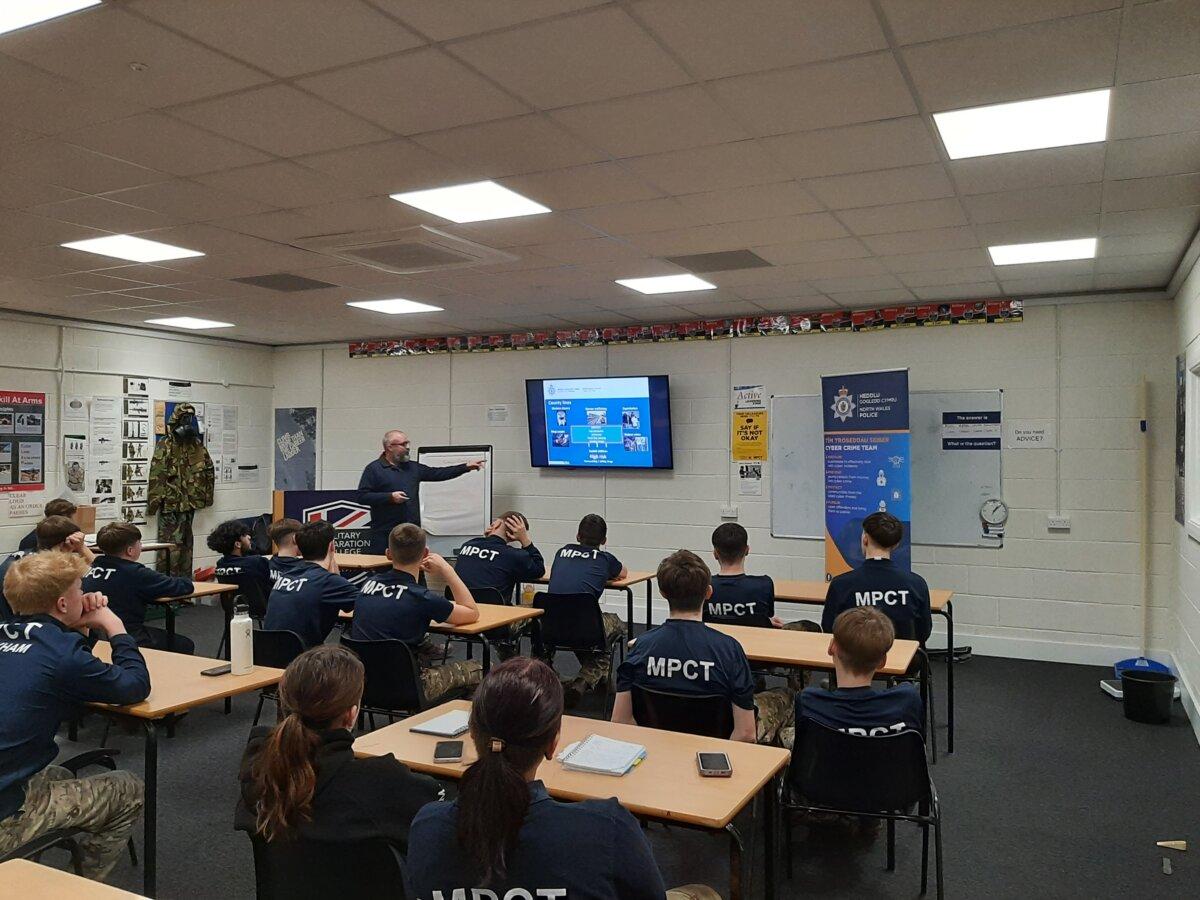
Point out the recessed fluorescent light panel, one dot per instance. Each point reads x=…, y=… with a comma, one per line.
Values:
x=477, y=202
x=189, y=322
x=135, y=249
x=1025, y=125
x=1044, y=251
x=667, y=284
x=16, y=14
x=395, y=307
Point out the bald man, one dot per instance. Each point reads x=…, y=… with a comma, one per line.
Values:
x=391, y=486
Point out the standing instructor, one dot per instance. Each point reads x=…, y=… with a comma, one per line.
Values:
x=391, y=486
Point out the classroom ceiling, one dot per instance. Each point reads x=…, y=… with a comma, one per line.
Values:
x=798, y=129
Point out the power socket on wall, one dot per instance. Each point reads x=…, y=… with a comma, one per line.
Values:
x=1058, y=523
x=729, y=512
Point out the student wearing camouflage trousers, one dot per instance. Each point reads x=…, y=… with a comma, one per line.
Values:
x=181, y=481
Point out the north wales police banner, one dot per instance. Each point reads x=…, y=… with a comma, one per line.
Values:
x=867, y=463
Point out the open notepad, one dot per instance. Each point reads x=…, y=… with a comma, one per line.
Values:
x=451, y=724
x=601, y=755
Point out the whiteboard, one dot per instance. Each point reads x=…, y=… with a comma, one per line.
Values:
x=461, y=508
x=948, y=486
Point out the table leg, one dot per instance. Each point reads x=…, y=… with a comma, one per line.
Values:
x=649, y=605
x=629, y=609
x=487, y=653
x=150, y=813
x=948, y=612
x=771, y=788
x=170, y=626
x=736, y=862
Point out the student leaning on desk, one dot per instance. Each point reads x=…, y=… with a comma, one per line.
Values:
x=52, y=533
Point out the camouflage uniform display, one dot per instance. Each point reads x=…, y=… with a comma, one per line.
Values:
x=181, y=481
x=104, y=806
x=457, y=673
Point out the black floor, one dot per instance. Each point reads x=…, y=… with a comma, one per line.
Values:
x=1051, y=793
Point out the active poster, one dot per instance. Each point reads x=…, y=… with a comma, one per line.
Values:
x=22, y=441
x=296, y=448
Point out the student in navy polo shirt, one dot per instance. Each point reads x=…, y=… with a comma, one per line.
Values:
x=902, y=596
x=55, y=507
x=393, y=606
x=584, y=568
x=492, y=562
x=237, y=565
x=505, y=833
x=130, y=586
x=52, y=533
x=685, y=656
x=738, y=598
x=307, y=599
x=287, y=555
x=48, y=672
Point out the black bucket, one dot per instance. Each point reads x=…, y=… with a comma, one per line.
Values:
x=1148, y=696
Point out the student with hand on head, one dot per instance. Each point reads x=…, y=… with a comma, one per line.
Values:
x=52, y=533
x=492, y=562
x=392, y=606
x=307, y=599
x=584, y=568
x=237, y=565
x=131, y=587
x=56, y=507
x=738, y=598
x=287, y=555
x=504, y=834
x=300, y=778
x=48, y=672
x=901, y=596
x=685, y=656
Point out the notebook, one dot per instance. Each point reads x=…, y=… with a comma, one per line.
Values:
x=451, y=724
x=601, y=755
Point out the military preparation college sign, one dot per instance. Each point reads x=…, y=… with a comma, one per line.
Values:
x=867, y=462
x=341, y=509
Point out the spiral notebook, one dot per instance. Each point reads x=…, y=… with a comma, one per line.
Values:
x=601, y=755
x=450, y=724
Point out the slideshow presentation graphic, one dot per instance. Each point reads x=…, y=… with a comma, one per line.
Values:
x=598, y=422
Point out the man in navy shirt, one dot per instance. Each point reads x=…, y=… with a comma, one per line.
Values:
x=492, y=562
x=391, y=486
x=287, y=555
x=56, y=507
x=685, y=656
x=130, y=586
x=48, y=672
x=902, y=596
x=237, y=565
x=52, y=533
x=738, y=598
x=393, y=606
x=307, y=599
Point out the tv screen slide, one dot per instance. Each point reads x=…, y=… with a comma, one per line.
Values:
x=602, y=423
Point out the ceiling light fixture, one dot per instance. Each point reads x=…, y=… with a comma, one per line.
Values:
x=476, y=202
x=1025, y=125
x=135, y=249
x=189, y=322
x=1043, y=251
x=394, y=307
x=16, y=14
x=667, y=284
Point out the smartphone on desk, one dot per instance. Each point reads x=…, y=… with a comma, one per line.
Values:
x=448, y=751
x=218, y=670
x=714, y=765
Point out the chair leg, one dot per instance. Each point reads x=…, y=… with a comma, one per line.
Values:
x=937, y=855
x=924, y=857
x=787, y=841
x=104, y=735
x=73, y=730
x=258, y=711
x=931, y=709
x=891, y=845
x=371, y=719
x=132, y=854
x=76, y=856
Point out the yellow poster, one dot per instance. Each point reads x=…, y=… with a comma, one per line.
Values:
x=749, y=434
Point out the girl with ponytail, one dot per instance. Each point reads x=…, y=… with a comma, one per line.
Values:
x=300, y=778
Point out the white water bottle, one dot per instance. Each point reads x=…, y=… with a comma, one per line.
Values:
x=241, y=641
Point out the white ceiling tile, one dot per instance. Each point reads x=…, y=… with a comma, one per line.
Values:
x=448, y=19
x=812, y=251
x=1130, y=280
x=142, y=272
x=913, y=216
x=965, y=291
x=54, y=162
x=1032, y=203
x=914, y=21
x=785, y=198
x=19, y=230
x=936, y=277
x=17, y=191
x=511, y=146
x=588, y=250
x=187, y=201
x=282, y=184
x=1150, y=193
x=1147, y=221
x=1044, y=270
x=1155, y=107
x=305, y=35
x=640, y=216
x=275, y=225
x=784, y=229
x=722, y=308
x=1045, y=228
x=1060, y=284
x=281, y=120
x=94, y=282
x=1169, y=243
x=838, y=269
x=1034, y=168
x=822, y=95
x=1158, y=263
x=523, y=231
x=860, y=283
x=883, y=187
x=731, y=37
x=855, y=148
x=1164, y=154
x=709, y=168
x=390, y=167
x=932, y=262
x=870, y=298
x=679, y=242
x=926, y=240
x=560, y=62
x=580, y=186
x=106, y=215
x=49, y=104
x=1159, y=40
x=1037, y=60
x=798, y=295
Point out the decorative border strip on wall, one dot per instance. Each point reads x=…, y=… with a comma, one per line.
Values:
x=924, y=315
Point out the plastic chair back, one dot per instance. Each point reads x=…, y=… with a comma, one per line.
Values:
x=709, y=715
x=393, y=676
x=276, y=649
x=484, y=595
x=570, y=621
x=300, y=868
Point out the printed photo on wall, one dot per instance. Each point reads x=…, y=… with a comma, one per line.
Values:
x=133, y=493
x=102, y=500
x=6, y=472
x=138, y=429
x=134, y=513
x=137, y=386
x=135, y=471
x=29, y=423
x=137, y=407
x=135, y=450
x=6, y=421
x=104, y=486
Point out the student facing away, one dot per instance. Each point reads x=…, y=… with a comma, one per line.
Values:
x=307, y=600
x=55, y=507
x=505, y=834
x=738, y=598
x=52, y=533
x=287, y=555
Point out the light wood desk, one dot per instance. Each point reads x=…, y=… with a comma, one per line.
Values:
x=362, y=562
x=806, y=649
x=666, y=786
x=625, y=584
x=199, y=589
x=33, y=881
x=176, y=685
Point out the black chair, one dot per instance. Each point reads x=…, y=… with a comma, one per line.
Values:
x=64, y=838
x=301, y=869
x=881, y=777
x=574, y=622
x=393, y=679
x=276, y=650
x=708, y=715
x=922, y=668
x=250, y=593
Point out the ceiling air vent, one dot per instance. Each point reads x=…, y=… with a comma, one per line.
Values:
x=284, y=281
x=404, y=251
x=721, y=261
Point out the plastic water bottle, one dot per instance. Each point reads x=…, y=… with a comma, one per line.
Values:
x=241, y=642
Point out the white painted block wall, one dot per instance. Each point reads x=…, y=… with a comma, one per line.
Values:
x=1186, y=647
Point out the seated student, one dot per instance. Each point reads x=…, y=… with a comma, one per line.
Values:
x=131, y=587
x=902, y=596
x=47, y=672
x=492, y=562
x=738, y=598
x=56, y=507
x=53, y=533
x=392, y=605
x=301, y=778
x=307, y=599
x=287, y=554
x=584, y=568
x=685, y=656
x=504, y=834
x=237, y=564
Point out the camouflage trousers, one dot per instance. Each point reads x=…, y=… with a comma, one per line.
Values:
x=455, y=674
x=104, y=806
x=693, y=892
x=594, y=664
x=176, y=527
x=776, y=711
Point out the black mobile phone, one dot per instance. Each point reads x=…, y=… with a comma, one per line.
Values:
x=714, y=765
x=218, y=670
x=448, y=751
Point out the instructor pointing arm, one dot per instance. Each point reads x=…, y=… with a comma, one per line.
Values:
x=391, y=486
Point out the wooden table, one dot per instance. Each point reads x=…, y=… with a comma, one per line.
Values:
x=362, y=562
x=33, y=881
x=622, y=584
x=176, y=686
x=666, y=786
x=806, y=649
x=199, y=589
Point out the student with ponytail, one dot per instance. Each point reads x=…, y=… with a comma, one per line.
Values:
x=300, y=778
x=505, y=834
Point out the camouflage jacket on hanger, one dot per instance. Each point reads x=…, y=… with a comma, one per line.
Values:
x=181, y=471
